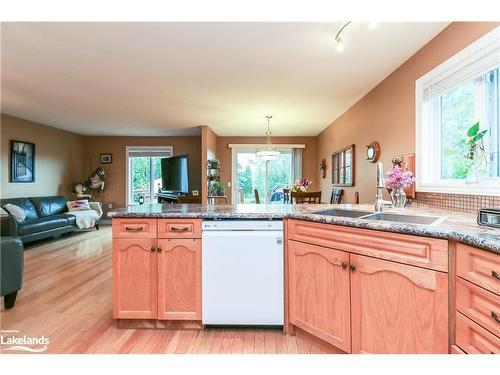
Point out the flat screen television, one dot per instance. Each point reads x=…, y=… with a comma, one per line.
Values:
x=175, y=174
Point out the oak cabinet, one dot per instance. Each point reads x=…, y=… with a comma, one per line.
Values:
x=134, y=278
x=319, y=292
x=156, y=278
x=365, y=291
x=397, y=308
x=179, y=279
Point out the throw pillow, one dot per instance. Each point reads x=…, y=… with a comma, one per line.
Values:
x=16, y=212
x=81, y=205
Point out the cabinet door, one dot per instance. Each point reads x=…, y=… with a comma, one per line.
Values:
x=397, y=308
x=134, y=278
x=179, y=279
x=319, y=292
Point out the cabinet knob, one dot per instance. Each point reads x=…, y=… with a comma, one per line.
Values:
x=158, y=249
x=152, y=249
x=344, y=264
x=496, y=275
x=494, y=315
x=352, y=267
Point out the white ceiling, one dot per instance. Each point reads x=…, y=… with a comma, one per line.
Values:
x=169, y=78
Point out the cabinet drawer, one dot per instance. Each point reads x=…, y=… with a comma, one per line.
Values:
x=134, y=228
x=479, y=305
x=179, y=228
x=474, y=339
x=414, y=250
x=479, y=267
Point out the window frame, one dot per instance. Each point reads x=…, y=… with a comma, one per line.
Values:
x=145, y=149
x=339, y=163
x=426, y=148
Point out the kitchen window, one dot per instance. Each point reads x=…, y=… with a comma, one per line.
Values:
x=457, y=109
x=144, y=172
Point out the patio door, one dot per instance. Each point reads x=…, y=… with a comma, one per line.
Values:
x=144, y=172
x=250, y=173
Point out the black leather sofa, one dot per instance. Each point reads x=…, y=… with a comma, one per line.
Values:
x=11, y=269
x=44, y=218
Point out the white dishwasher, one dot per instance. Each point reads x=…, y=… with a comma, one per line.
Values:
x=242, y=272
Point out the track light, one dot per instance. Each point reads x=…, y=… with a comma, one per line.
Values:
x=340, y=44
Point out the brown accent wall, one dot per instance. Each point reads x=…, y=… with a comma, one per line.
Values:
x=387, y=113
x=115, y=190
x=58, y=158
x=209, y=150
x=310, y=161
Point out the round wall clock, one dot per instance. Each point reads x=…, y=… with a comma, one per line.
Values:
x=372, y=152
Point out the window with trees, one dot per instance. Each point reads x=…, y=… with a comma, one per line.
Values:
x=249, y=174
x=144, y=172
x=458, y=131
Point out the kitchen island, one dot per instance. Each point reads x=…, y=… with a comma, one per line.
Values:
x=357, y=285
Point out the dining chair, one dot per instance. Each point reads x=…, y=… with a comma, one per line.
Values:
x=286, y=196
x=256, y=193
x=306, y=197
x=336, y=196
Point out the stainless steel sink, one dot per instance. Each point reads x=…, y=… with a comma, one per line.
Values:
x=411, y=219
x=343, y=213
x=385, y=216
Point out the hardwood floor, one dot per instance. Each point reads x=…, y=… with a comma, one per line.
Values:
x=66, y=296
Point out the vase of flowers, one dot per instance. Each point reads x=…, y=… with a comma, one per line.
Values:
x=395, y=182
x=300, y=185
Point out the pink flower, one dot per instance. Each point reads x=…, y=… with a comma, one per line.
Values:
x=396, y=178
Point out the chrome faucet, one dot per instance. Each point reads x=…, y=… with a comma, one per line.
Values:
x=380, y=202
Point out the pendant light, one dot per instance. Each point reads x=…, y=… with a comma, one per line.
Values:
x=269, y=152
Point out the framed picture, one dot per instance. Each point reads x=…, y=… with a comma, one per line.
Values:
x=22, y=161
x=106, y=159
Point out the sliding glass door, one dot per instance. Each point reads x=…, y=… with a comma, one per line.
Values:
x=144, y=172
x=250, y=173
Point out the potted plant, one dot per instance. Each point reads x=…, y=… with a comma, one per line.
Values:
x=217, y=189
x=213, y=164
x=474, y=151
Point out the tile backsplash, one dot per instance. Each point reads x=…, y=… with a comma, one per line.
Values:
x=456, y=202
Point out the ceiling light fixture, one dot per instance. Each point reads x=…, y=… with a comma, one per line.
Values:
x=338, y=37
x=269, y=152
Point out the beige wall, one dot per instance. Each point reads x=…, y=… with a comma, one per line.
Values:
x=58, y=158
x=209, y=150
x=115, y=191
x=387, y=113
x=310, y=163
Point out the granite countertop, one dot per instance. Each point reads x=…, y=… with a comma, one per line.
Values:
x=457, y=226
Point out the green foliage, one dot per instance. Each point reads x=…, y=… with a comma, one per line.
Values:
x=251, y=174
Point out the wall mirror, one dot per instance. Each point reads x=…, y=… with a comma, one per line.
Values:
x=343, y=167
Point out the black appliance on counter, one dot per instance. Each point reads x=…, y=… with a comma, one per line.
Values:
x=489, y=217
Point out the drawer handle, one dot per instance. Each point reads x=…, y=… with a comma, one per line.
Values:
x=177, y=229
x=494, y=315
x=496, y=275
x=134, y=229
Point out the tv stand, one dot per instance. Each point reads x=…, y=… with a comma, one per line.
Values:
x=166, y=197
